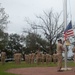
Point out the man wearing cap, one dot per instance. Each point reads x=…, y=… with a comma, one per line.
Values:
x=60, y=49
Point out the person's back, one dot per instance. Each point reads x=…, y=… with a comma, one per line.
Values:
x=19, y=57
x=33, y=57
x=38, y=57
x=16, y=58
x=54, y=57
x=3, y=56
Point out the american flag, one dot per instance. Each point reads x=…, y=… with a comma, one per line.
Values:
x=68, y=31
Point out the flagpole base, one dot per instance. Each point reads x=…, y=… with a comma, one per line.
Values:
x=66, y=69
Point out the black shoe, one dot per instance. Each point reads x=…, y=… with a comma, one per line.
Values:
x=59, y=70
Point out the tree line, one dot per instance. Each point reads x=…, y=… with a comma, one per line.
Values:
x=43, y=33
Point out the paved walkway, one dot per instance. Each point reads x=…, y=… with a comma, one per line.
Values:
x=41, y=71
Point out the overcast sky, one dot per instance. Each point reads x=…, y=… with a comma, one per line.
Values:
x=19, y=9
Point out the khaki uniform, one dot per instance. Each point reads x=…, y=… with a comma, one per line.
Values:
x=48, y=58
x=3, y=57
x=17, y=58
x=26, y=58
x=38, y=57
x=30, y=58
x=54, y=58
x=43, y=58
x=74, y=57
x=73, y=50
x=59, y=55
x=33, y=57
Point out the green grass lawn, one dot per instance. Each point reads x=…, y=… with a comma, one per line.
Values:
x=9, y=65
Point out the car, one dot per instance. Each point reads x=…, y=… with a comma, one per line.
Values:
x=69, y=58
x=9, y=59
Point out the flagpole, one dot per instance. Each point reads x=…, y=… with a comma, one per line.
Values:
x=65, y=24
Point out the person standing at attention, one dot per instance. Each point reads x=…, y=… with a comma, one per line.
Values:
x=73, y=50
x=3, y=57
x=60, y=49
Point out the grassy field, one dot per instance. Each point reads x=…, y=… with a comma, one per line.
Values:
x=9, y=65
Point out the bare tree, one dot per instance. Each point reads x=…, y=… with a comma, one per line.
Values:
x=49, y=24
x=3, y=18
x=3, y=24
